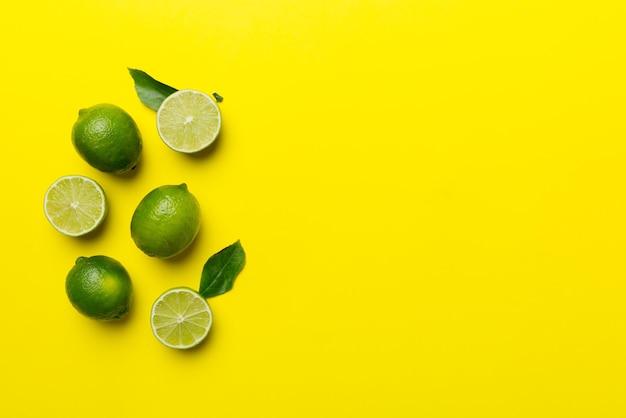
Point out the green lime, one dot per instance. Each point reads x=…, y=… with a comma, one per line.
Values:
x=99, y=287
x=75, y=205
x=107, y=138
x=166, y=221
x=188, y=121
x=181, y=318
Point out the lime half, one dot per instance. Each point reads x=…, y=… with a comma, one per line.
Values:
x=181, y=318
x=188, y=121
x=75, y=205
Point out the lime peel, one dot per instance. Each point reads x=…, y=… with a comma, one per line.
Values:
x=166, y=221
x=100, y=288
x=107, y=138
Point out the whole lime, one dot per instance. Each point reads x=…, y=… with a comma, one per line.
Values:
x=107, y=138
x=99, y=287
x=166, y=221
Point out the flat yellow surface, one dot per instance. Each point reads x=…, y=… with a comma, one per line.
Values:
x=430, y=193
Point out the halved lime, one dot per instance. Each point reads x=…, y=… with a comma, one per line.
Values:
x=188, y=121
x=181, y=318
x=75, y=205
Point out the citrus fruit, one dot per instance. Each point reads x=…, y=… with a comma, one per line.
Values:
x=107, y=138
x=188, y=121
x=99, y=287
x=166, y=221
x=181, y=318
x=75, y=205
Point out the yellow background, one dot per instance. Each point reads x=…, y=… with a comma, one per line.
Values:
x=430, y=194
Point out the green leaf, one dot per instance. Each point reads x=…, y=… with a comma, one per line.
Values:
x=221, y=269
x=150, y=91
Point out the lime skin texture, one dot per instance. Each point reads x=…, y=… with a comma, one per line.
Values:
x=166, y=221
x=100, y=288
x=107, y=138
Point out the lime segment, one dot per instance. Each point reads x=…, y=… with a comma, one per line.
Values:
x=181, y=318
x=75, y=205
x=188, y=121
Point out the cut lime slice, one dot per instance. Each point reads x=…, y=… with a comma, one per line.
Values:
x=181, y=318
x=188, y=121
x=75, y=205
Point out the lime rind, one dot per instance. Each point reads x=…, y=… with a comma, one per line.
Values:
x=107, y=138
x=188, y=121
x=166, y=221
x=181, y=318
x=100, y=288
x=75, y=205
